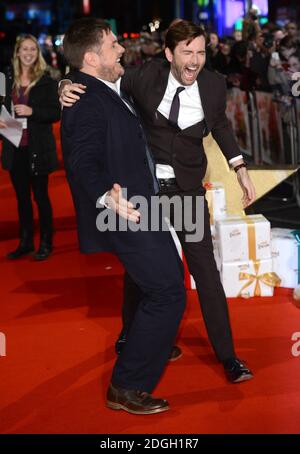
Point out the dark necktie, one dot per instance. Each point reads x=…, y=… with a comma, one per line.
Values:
x=174, y=112
x=127, y=102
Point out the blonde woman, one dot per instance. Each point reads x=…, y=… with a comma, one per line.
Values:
x=32, y=99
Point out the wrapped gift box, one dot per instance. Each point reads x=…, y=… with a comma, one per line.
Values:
x=248, y=278
x=244, y=238
x=286, y=256
x=216, y=201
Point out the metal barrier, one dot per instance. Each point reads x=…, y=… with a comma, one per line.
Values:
x=267, y=129
x=258, y=124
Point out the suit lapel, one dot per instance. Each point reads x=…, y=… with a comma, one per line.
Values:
x=160, y=85
x=118, y=99
x=205, y=95
x=86, y=80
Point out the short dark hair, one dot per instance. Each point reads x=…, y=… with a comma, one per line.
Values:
x=296, y=54
x=182, y=30
x=83, y=35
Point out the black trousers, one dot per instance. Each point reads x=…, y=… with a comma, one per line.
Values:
x=159, y=274
x=24, y=182
x=202, y=266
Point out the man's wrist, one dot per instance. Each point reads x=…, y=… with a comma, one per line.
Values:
x=106, y=198
x=62, y=83
x=240, y=167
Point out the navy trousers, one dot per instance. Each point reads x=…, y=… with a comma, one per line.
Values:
x=158, y=273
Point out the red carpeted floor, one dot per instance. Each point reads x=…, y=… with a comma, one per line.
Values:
x=61, y=318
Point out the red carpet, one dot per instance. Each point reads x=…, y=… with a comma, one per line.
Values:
x=61, y=318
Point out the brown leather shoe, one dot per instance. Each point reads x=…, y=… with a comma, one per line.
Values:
x=176, y=353
x=136, y=402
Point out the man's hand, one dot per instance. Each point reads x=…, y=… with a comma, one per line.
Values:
x=68, y=93
x=247, y=187
x=117, y=203
x=22, y=110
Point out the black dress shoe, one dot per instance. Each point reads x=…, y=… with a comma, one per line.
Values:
x=22, y=250
x=136, y=402
x=43, y=252
x=236, y=371
x=119, y=345
x=175, y=354
x=45, y=247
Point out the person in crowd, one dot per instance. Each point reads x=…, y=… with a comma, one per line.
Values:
x=212, y=51
x=213, y=43
x=250, y=25
x=55, y=61
x=278, y=34
x=237, y=35
x=180, y=102
x=32, y=99
x=280, y=74
x=294, y=62
x=221, y=61
x=238, y=72
x=104, y=149
x=260, y=59
x=293, y=33
x=288, y=47
x=149, y=47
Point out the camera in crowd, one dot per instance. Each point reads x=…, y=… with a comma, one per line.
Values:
x=252, y=14
x=268, y=40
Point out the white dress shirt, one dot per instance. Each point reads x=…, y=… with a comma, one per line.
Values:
x=190, y=113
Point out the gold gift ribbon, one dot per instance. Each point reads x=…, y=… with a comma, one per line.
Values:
x=251, y=238
x=270, y=278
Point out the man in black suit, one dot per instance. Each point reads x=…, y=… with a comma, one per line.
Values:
x=104, y=147
x=180, y=102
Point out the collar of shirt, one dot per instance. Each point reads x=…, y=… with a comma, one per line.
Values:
x=115, y=86
x=173, y=84
x=191, y=111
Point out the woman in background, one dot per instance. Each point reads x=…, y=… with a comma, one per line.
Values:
x=32, y=99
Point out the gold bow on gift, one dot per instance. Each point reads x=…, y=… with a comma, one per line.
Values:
x=271, y=279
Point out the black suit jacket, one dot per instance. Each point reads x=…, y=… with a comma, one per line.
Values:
x=103, y=143
x=147, y=85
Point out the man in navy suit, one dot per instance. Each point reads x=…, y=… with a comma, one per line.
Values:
x=104, y=147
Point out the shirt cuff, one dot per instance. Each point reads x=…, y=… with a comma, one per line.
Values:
x=102, y=200
x=64, y=80
x=236, y=158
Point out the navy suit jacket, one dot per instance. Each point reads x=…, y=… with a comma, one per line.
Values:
x=103, y=143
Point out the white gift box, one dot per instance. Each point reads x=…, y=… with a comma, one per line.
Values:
x=216, y=201
x=286, y=256
x=244, y=238
x=248, y=278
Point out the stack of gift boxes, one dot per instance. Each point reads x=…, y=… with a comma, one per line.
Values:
x=244, y=244
x=251, y=257
x=286, y=256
